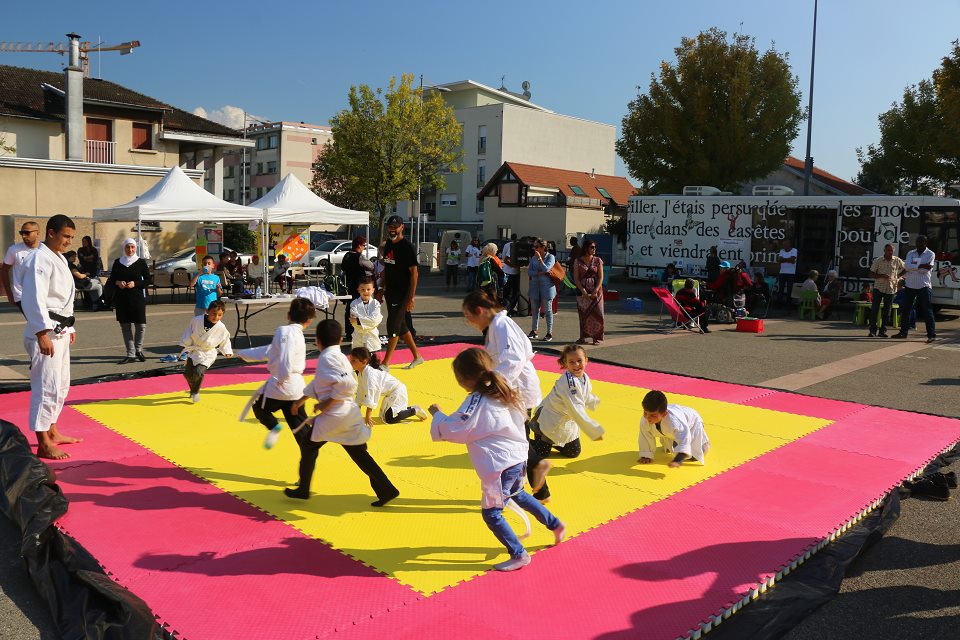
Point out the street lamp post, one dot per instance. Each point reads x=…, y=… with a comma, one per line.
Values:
x=420, y=226
x=808, y=161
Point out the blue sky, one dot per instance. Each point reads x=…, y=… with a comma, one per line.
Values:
x=296, y=60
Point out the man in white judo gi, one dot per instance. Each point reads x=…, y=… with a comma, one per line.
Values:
x=47, y=303
x=11, y=272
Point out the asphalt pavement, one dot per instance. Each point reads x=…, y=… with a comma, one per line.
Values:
x=908, y=586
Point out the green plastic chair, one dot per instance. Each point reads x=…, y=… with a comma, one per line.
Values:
x=808, y=304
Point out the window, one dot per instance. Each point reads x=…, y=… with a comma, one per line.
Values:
x=577, y=191
x=259, y=168
x=230, y=194
x=142, y=135
x=246, y=194
x=509, y=193
x=481, y=172
x=229, y=172
x=604, y=193
x=482, y=139
x=272, y=166
x=479, y=205
x=261, y=143
x=448, y=200
x=272, y=142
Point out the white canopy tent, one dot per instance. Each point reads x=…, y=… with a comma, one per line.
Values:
x=292, y=202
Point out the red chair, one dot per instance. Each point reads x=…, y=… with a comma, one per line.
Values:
x=677, y=316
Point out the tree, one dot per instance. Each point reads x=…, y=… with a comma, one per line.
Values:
x=723, y=114
x=239, y=237
x=910, y=157
x=946, y=82
x=385, y=145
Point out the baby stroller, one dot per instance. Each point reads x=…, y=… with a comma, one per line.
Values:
x=727, y=300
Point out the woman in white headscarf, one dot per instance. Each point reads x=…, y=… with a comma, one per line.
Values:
x=130, y=277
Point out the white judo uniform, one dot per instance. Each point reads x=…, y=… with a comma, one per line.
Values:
x=16, y=256
x=286, y=357
x=47, y=286
x=512, y=356
x=495, y=439
x=342, y=422
x=681, y=431
x=201, y=344
x=373, y=384
x=368, y=333
x=563, y=413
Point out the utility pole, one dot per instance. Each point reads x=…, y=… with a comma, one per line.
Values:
x=808, y=161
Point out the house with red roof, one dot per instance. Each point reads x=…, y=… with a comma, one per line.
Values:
x=550, y=203
x=822, y=183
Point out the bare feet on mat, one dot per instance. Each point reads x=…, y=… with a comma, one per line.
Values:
x=539, y=477
x=47, y=447
x=59, y=438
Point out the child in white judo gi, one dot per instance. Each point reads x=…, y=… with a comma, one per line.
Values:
x=512, y=354
x=203, y=337
x=490, y=422
x=365, y=316
x=286, y=357
x=679, y=429
x=339, y=419
x=561, y=416
x=374, y=384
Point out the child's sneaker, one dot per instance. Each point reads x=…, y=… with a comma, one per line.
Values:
x=421, y=412
x=195, y=397
x=532, y=335
x=183, y=356
x=513, y=564
x=272, y=436
x=416, y=362
x=169, y=358
x=559, y=533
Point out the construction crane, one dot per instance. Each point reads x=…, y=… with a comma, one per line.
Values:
x=63, y=49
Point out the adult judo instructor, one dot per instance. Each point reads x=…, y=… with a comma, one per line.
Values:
x=47, y=301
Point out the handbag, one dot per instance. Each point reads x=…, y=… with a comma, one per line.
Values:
x=557, y=273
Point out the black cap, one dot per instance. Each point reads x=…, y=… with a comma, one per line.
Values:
x=394, y=220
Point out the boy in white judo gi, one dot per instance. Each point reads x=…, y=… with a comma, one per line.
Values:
x=365, y=316
x=204, y=336
x=373, y=383
x=334, y=387
x=286, y=357
x=679, y=429
x=47, y=303
x=561, y=416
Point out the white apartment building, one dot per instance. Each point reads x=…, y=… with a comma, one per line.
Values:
x=279, y=148
x=500, y=126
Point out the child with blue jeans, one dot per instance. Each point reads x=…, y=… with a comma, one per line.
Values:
x=542, y=289
x=490, y=422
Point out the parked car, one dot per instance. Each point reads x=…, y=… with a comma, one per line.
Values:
x=186, y=259
x=330, y=254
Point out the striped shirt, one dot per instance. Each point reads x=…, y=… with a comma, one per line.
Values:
x=918, y=278
x=883, y=267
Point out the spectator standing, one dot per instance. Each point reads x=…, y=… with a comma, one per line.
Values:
x=355, y=265
x=511, y=287
x=12, y=271
x=473, y=262
x=713, y=265
x=787, y=257
x=542, y=289
x=401, y=274
x=887, y=271
x=588, y=277
x=130, y=277
x=918, y=287
x=575, y=252
x=453, y=264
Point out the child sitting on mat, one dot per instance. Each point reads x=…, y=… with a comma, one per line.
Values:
x=490, y=423
x=203, y=337
x=286, y=357
x=334, y=387
x=374, y=383
x=365, y=315
x=557, y=422
x=679, y=428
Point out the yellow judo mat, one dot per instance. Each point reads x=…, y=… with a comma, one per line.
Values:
x=432, y=536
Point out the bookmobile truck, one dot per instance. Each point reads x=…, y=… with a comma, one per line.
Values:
x=830, y=232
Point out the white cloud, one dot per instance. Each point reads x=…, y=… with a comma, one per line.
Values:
x=228, y=115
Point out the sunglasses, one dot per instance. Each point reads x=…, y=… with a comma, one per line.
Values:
x=26, y=232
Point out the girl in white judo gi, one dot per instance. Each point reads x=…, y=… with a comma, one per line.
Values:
x=512, y=354
x=48, y=288
x=333, y=387
x=204, y=336
x=563, y=413
x=374, y=384
x=365, y=316
x=490, y=422
x=679, y=429
x=286, y=357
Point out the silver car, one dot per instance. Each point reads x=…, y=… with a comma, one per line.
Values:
x=186, y=259
x=329, y=255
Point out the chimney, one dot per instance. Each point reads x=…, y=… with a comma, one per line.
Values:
x=593, y=173
x=73, y=96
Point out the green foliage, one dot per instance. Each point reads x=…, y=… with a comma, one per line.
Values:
x=721, y=115
x=239, y=238
x=384, y=145
x=918, y=151
x=616, y=225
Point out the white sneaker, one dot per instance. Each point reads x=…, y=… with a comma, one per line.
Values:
x=513, y=563
x=559, y=533
x=416, y=362
x=195, y=397
x=272, y=437
x=421, y=412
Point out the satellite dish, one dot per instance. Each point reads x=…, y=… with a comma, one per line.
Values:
x=526, y=85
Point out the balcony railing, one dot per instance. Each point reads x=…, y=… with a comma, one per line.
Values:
x=100, y=151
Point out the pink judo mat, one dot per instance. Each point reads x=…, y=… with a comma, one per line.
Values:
x=211, y=566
